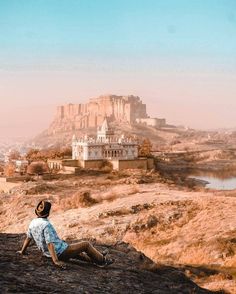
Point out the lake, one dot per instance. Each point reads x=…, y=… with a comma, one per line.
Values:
x=224, y=180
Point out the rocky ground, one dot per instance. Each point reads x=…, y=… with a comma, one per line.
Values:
x=131, y=273
x=192, y=230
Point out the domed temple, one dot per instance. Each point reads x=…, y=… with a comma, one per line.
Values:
x=106, y=146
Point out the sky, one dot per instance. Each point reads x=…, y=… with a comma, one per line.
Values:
x=179, y=56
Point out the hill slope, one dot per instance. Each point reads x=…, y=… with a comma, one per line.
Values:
x=36, y=274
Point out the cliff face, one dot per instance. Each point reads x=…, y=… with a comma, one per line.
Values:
x=124, y=109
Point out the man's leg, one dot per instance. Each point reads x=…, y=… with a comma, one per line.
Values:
x=73, y=250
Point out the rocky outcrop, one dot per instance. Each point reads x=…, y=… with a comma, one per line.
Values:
x=91, y=115
x=131, y=273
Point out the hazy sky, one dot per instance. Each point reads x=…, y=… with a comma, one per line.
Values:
x=179, y=56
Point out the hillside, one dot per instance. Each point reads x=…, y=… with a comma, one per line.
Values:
x=131, y=273
x=193, y=231
x=127, y=115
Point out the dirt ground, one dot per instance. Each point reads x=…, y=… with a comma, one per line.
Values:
x=5, y=187
x=170, y=223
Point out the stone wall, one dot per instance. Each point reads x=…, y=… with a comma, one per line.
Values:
x=140, y=163
x=13, y=179
x=153, y=122
x=70, y=162
x=91, y=164
x=150, y=163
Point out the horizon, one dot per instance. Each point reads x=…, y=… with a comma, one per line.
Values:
x=178, y=57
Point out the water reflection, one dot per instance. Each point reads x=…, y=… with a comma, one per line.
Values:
x=220, y=180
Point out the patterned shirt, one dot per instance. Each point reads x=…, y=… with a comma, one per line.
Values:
x=43, y=233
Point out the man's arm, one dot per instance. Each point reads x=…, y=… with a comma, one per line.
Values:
x=54, y=257
x=25, y=245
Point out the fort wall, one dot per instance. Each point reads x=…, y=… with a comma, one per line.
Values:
x=90, y=115
x=120, y=109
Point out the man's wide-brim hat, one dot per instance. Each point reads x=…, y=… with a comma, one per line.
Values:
x=43, y=209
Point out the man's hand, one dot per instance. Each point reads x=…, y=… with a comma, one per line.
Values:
x=60, y=264
x=20, y=252
x=54, y=257
x=24, y=247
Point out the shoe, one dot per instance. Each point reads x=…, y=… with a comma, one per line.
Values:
x=105, y=252
x=108, y=261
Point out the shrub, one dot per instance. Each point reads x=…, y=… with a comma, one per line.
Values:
x=1, y=169
x=9, y=170
x=51, y=153
x=37, y=168
x=79, y=199
x=110, y=196
x=144, y=148
x=106, y=166
x=14, y=155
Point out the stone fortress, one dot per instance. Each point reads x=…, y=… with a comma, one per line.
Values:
x=120, y=109
x=90, y=152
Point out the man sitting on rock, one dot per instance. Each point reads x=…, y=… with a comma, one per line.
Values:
x=46, y=239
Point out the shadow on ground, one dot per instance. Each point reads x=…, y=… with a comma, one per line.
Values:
x=131, y=273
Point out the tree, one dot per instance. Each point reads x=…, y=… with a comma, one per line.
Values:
x=50, y=153
x=32, y=154
x=14, y=155
x=9, y=170
x=145, y=148
x=66, y=151
x=1, y=169
x=37, y=168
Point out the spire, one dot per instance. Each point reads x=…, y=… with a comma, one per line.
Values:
x=105, y=133
x=105, y=126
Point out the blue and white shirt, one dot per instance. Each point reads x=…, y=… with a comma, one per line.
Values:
x=43, y=233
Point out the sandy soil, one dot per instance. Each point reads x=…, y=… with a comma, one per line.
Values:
x=6, y=187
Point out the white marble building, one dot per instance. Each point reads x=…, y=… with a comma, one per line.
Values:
x=106, y=146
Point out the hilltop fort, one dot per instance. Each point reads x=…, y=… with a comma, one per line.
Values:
x=122, y=109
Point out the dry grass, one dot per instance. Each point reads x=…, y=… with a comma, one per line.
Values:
x=109, y=196
x=114, y=194
x=5, y=187
x=79, y=199
x=117, y=212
